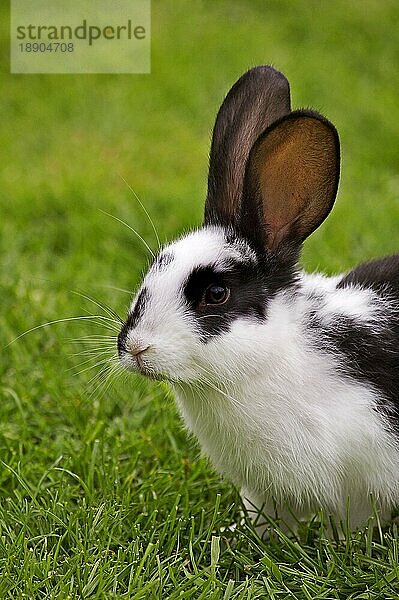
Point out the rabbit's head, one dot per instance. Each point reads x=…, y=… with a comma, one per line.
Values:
x=273, y=177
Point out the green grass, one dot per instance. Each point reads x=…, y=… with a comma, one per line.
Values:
x=102, y=494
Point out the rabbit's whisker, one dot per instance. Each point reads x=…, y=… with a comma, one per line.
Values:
x=89, y=356
x=97, y=379
x=226, y=395
x=204, y=370
x=106, y=377
x=56, y=321
x=144, y=209
x=116, y=289
x=94, y=351
x=131, y=229
x=115, y=322
x=208, y=316
x=93, y=339
x=111, y=313
x=93, y=366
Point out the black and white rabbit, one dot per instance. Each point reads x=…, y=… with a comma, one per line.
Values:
x=289, y=381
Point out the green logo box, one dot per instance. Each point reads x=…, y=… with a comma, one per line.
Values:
x=80, y=36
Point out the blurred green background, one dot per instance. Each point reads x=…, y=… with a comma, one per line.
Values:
x=66, y=141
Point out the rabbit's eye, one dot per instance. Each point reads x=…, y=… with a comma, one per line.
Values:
x=216, y=294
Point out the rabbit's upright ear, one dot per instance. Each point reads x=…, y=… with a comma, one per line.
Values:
x=259, y=98
x=291, y=180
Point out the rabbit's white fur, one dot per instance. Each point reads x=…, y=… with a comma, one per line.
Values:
x=274, y=414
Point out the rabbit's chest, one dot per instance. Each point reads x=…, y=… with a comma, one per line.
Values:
x=311, y=447
x=256, y=446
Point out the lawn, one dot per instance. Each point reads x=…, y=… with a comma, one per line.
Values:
x=102, y=493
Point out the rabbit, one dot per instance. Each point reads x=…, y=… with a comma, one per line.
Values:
x=289, y=381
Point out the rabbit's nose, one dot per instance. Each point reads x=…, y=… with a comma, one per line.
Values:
x=137, y=349
x=131, y=345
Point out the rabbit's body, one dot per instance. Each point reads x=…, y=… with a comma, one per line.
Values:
x=289, y=381
x=294, y=426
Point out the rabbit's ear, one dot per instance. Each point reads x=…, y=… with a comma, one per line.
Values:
x=258, y=99
x=291, y=180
